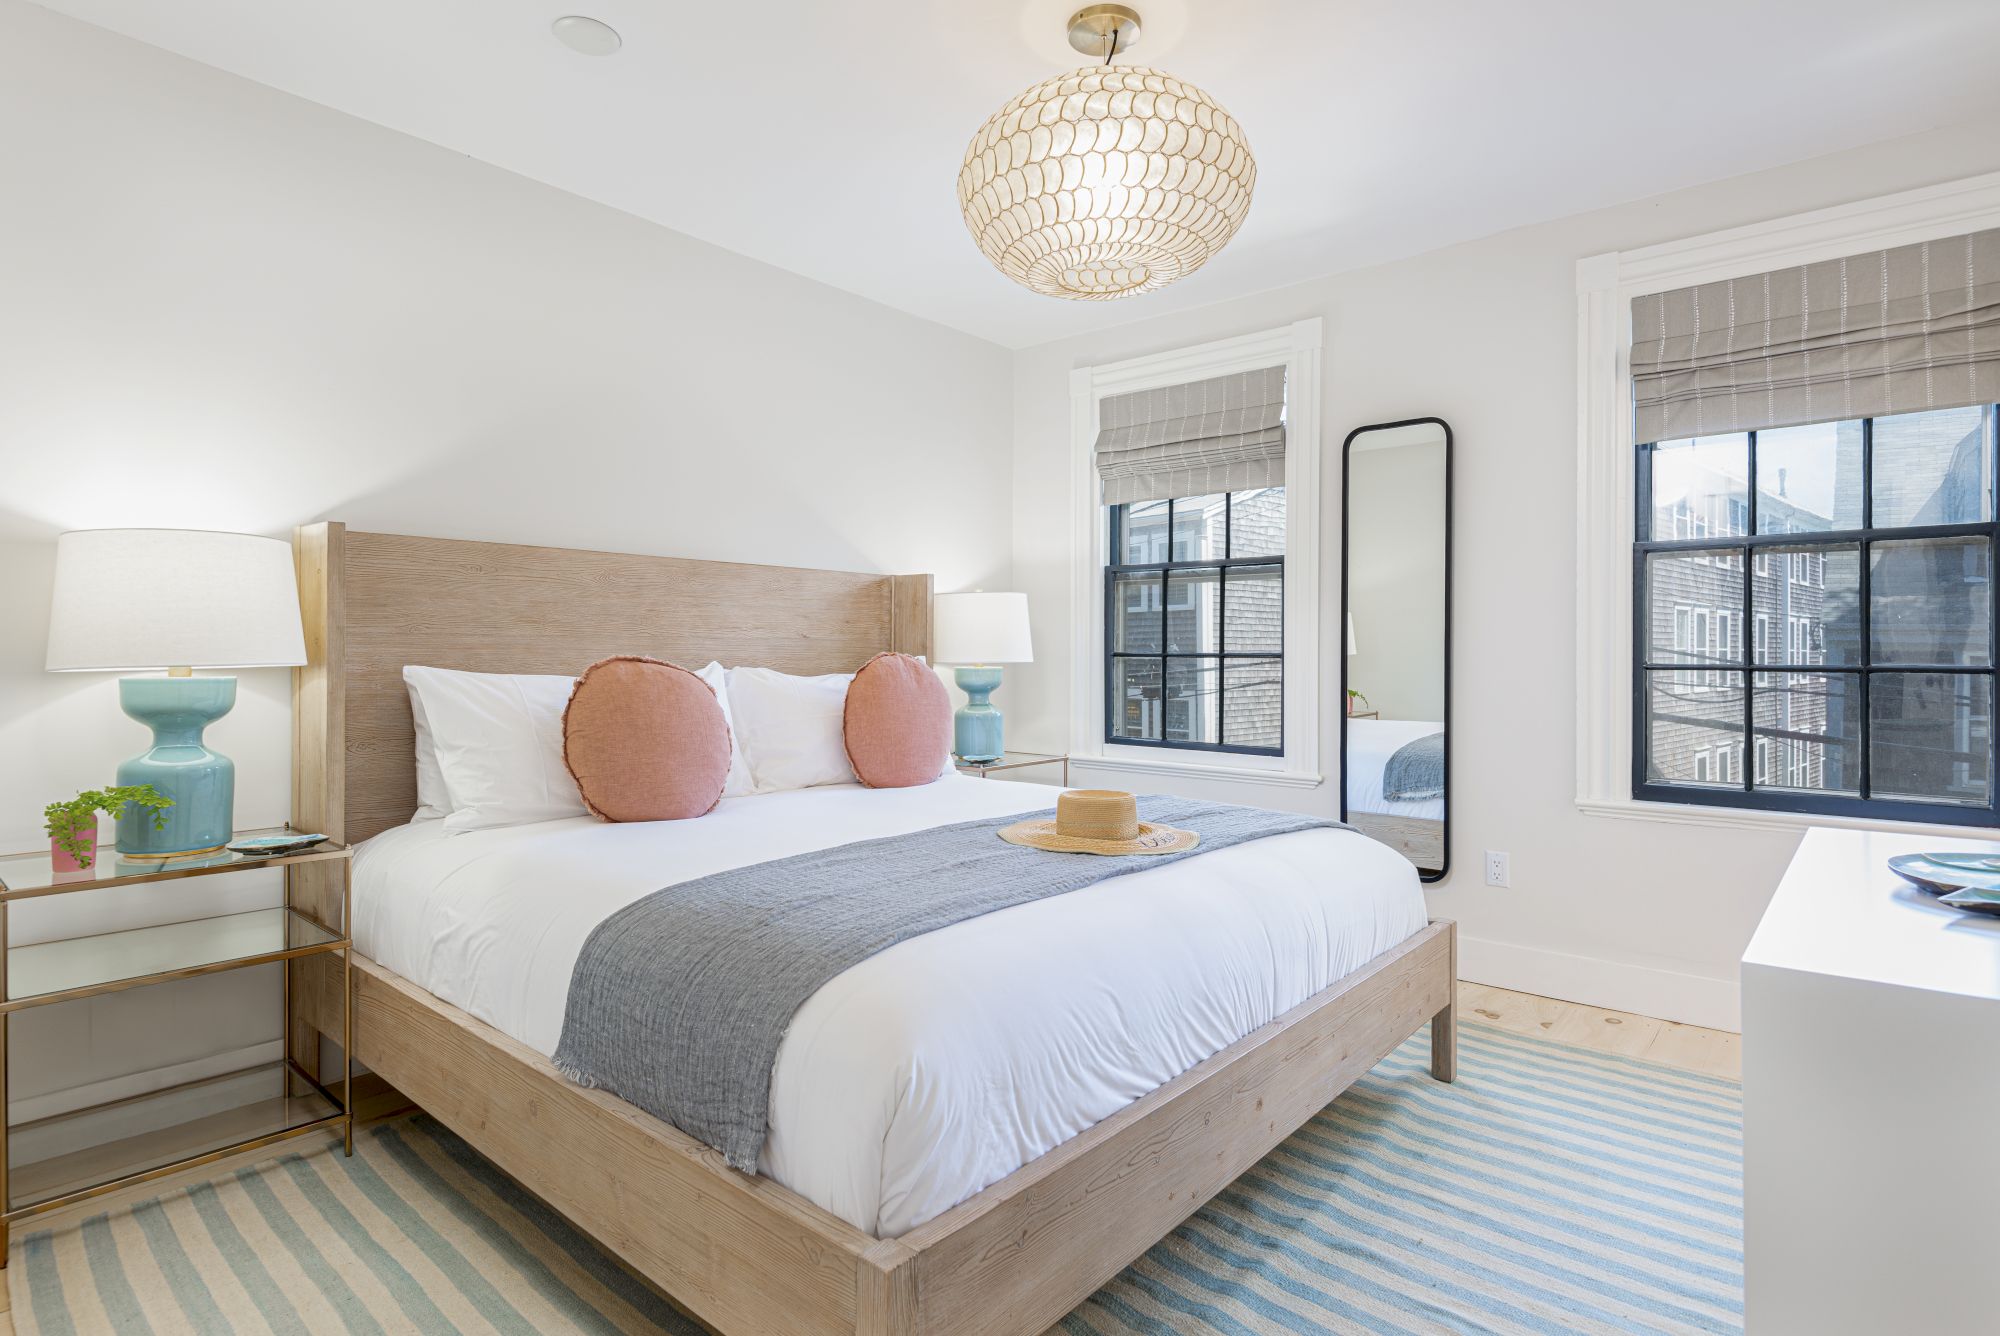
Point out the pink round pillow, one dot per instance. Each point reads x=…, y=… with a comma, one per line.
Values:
x=645, y=741
x=897, y=723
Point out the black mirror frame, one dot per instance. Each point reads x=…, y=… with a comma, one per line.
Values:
x=1438, y=873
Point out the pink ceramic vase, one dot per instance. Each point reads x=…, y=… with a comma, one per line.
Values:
x=59, y=859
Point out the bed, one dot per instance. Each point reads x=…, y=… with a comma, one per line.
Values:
x=1223, y=1042
x=1412, y=826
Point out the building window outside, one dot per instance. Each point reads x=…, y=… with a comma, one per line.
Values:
x=1195, y=623
x=1860, y=553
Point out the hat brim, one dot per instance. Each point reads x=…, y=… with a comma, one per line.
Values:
x=1153, y=839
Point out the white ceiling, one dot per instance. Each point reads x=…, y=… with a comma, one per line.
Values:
x=824, y=136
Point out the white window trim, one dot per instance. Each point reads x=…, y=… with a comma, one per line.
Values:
x=1605, y=287
x=1298, y=348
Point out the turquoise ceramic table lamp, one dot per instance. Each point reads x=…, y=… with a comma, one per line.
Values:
x=979, y=632
x=179, y=599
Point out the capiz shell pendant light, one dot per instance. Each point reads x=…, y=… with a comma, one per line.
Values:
x=1107, y=181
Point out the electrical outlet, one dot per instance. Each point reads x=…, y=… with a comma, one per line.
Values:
x=1496, y=868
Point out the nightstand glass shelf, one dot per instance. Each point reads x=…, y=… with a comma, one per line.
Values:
x=80, y=1153
x=1013, y=760
x=26, y=875
x=167, y=1130
x=49, y=972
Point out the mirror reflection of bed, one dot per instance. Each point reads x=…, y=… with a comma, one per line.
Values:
x=1409, y=817
x=1396, y=498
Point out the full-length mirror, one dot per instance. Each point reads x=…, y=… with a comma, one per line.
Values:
x=1396, y=602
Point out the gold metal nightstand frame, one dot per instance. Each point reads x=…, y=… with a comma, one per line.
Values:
x=31, y=880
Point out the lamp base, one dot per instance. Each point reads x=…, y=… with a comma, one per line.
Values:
x=178, y=765
x=977, y=728
x=124, y=857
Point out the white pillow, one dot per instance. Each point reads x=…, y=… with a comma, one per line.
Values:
x=499, y=746
x=790, y=728
x=739, y=781
x=951, y=734
x=433, y=798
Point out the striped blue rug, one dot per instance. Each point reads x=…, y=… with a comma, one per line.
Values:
x=1551, y=1190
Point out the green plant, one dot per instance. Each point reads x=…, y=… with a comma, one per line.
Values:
x=65, y=821
x=1353, y=697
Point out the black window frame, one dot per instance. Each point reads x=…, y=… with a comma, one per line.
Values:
x=1114, y=568
x=1745, y=548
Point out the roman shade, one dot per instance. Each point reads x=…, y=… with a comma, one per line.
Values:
x=1220, y=435
x=1892, y=331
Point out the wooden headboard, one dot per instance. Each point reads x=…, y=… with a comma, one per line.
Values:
x=375, y=602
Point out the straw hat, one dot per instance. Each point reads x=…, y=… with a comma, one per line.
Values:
x=1099, y=821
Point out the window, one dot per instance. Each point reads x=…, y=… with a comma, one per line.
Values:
x=1861, y=555
x=1194, y=631
x=1136, y=441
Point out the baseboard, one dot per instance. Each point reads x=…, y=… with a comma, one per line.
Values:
x=1645, y=990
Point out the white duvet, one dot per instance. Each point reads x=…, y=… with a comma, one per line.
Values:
x=945, y=1063
x=1370, y=744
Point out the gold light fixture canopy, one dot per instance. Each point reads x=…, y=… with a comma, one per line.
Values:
x=1109, y=180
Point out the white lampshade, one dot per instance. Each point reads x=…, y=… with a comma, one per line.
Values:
x=1350, y=635
x=980, y=628
x=134, y=599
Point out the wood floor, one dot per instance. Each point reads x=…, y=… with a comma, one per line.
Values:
x=1714, y=1052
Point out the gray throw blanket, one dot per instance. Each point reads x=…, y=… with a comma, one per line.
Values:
x=1416, y=771
x=680, y=999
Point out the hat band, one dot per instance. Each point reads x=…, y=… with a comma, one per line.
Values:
x=1110, y=829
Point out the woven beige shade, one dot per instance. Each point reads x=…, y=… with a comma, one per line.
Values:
x=1220, y=435
x=1892, y=331
x=1106, y=181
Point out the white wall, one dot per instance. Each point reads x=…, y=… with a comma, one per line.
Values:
x=223, y=307
x=1396, y=584
x=1623, y=913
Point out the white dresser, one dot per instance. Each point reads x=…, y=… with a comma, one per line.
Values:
x=1871, y=1101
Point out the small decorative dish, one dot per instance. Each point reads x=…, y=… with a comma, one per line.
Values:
x=269, y=846
x=1946, y=873
x=1973, y=900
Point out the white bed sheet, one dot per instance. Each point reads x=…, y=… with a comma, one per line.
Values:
x=1370, y=744
x=943, y=1064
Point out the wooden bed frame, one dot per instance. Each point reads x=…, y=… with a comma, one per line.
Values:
x=741, y=1252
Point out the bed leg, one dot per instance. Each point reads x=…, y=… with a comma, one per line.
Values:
x=1444, y=1045
x=886, y=1290
x=1444, y=1025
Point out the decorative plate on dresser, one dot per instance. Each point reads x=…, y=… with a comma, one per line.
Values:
x=1947, y=874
